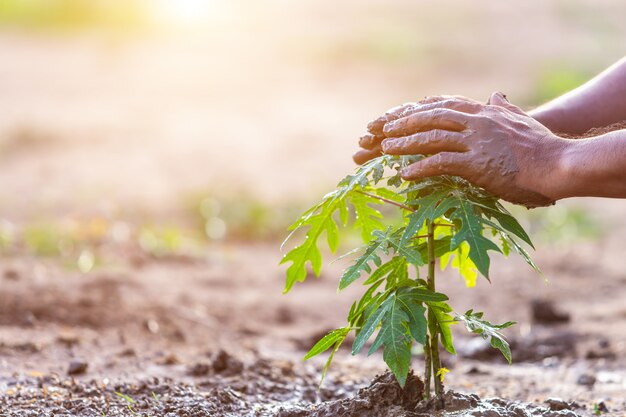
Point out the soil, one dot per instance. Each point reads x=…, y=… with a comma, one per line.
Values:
x=214, y=336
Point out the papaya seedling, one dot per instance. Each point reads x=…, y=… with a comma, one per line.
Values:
x=443, y=218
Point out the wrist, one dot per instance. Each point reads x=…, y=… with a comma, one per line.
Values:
x=551, y=167
x=562, y=180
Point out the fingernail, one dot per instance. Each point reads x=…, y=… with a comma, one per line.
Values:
x=504, y=96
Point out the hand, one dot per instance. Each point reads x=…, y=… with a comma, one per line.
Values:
x=371, y=142
x=495, y=145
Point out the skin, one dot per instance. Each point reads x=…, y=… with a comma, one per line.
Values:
x=510, y=153
x=597, y=103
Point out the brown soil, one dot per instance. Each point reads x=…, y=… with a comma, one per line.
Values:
x=214, y=336
x=596, y=131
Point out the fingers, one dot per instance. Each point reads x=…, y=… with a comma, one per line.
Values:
x=375, y=127
x=445, y=163
x=499, y=99
x=364, y=155
x=370, y=141
x=460, y=105
x=439, y=118
x=426, y=143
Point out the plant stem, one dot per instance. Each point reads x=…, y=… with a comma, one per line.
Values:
x=386, y=200
x=432, y=319
x=427, y=370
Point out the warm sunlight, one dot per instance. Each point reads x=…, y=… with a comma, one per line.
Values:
x=184, y=12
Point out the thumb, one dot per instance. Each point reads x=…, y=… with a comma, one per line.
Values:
x=499, y=99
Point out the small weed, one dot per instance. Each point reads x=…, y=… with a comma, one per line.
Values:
x=129, y=401
x=160, y=241
x=241, y=218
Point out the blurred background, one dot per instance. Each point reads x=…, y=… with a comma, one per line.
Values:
x=153, y=152
x=237, y=113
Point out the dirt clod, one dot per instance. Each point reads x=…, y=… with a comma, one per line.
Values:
x=199, y=369
x=225, y=364
x=545, y=312
x=11, y=274
x=556, y=404
x=383, y=396
x=586, y=379
x=77, y=367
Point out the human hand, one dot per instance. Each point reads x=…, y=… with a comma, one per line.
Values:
x=370, y=143
x=496, y=146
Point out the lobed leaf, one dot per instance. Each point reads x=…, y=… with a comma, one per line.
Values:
x=475, y=324
x=393, y=337
x=370, y=325
x=411, y=303
x=411, y=254
x=366, y=218
x=362, y=263
x=471, y=232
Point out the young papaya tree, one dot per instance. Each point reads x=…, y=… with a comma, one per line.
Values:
x=443, y=218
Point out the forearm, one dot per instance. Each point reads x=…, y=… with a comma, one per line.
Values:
x=597, y=103
x=593, y=167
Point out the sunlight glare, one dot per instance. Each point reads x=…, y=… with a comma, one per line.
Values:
x=184, y=12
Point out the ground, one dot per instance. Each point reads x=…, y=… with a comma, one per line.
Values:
x=221, y=325
x=146, y=181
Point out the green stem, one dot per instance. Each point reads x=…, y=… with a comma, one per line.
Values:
x=432, y=319
x=427, y=370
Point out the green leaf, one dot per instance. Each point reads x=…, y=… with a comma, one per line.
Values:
x=502, y=346
x=426, y=295
x=412, y=305
x=366, y=305
x=384, y=269
x=492, y=208
x=388, y=194
x=471, y=232
x=442, y=247
x=411, y=254
x=318, y=221
x=399, y=277
x=366, y=217
x=429, y=207
x=475, y=324
x=333, y=339
x=370, y=325
x=522, y=252
x=360, y=178
x=393, y=336
x=327, y=341
x=464, y=264
x=362, y=263
x=444, y=321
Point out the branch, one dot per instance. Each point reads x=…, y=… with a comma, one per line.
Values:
x=386, y=200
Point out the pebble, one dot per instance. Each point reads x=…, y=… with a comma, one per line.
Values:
x=586, y=379
x=77, y=367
